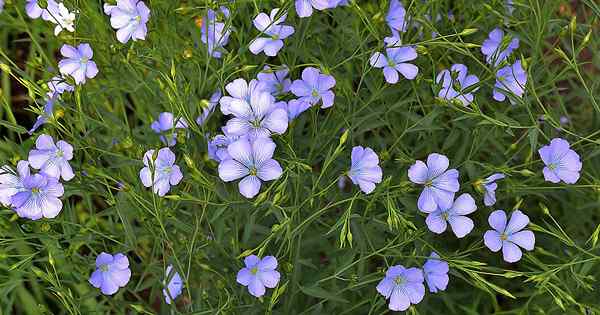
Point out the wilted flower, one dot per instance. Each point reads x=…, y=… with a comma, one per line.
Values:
x=490, y=186
x=215, y=34
x=561, y=162
x=11, y=182
x=43, y=118
x=166, y=126
x=129, y=18
x=395, y=62
x=52, y=159
x=58, y=85
x=440, y=183
x=258, y=274
x=251, y=161
x=496, y=49
x=455, y=215
x=365, y=170
x=78, y=62
x=275, y=81
x=257, y=118
x=402, y=286
x=175, y=285
x=39, y=197
x=269, y=25
x=111, y=274
x=60, y=15
x=436, y=273
x=510, y=81
x=455, y=84
x=314, y=87
x=240, y=90
x=160, y=173
x=212, y=103
x=508, y=236
x=396, y=17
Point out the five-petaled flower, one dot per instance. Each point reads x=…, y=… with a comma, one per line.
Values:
x=160, y=173
x=510, y=81
x=112, y=273
x=562, y=163
x=304, y=8
x=403, y=286
x=365, y=171
x=52, y=159
x=314, y=87
x=436, y=273
x=174, y=285
x=78, y=62
x=38, y=198
x=270, y=25
x=509, y=237
x=259, y=274
x=259, y=117
x=456, y=84
x=252, y=161
x=395, y=61
x=440, y=183
x=215, y=34
x=129, y=18
x=455, y=215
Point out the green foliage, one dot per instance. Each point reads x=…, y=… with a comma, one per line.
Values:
x=333, y=245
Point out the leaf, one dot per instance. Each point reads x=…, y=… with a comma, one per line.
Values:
x=321, y=293
x=13, y=127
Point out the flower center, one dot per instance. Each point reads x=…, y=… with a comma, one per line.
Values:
x=391, y=63
x=168, y=169
x=552, y=166
x=84, y=60
x=104, y=268
x=429, y=183
x=254, y=270
x=315, y=93
x=35, y=190
x=60, y=153
x=253, y=171
x=399, y=280
x=138, y=18
x=445, y=216
x=501, y=78
x=503, y=236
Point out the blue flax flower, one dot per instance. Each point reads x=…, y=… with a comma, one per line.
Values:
x=270, y=25
x=52, y=159
x=38, y=198
x=509, y=237
x=212, y=103
x=258, y=118
x=562, y=163
x=166, y=126
x=439, y=183
x=490, y=186
x=365, y=171
x=112, y=273
x=436, y=273
x=275, y=81
x=174, y=287
x=456, y=84
x=160, y=173
x=252, y=161
x=259, y=274
x=11, y=182
x=395, y=61
x=314, y=87
x=496, y=48
x=402, y=286
x=437, y=221
x=214, y=33
x=78, y=62
x=129, y=18
x=510, y=81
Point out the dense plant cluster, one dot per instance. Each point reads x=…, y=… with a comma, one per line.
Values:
x=305, y=156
